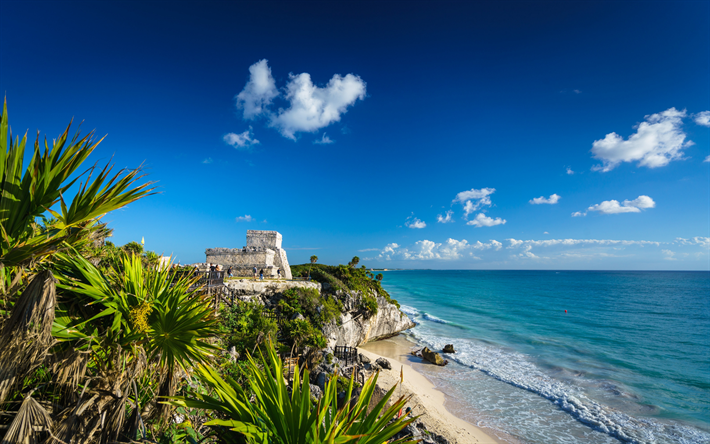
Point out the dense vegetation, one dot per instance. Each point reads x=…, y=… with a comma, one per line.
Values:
x=98, y=344
x=347, y=277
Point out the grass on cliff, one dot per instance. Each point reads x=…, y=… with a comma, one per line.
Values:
x=344, y=277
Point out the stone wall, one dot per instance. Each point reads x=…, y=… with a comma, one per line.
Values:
x=264, y=239
x=263, y=251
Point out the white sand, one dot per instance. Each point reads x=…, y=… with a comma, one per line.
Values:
x=426, y=401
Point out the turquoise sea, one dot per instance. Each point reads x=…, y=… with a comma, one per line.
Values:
x=629, y=361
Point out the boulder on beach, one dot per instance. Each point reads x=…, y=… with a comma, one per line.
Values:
x=382, y=362
x=364, y=359
x=449, y=348
x=432, y=356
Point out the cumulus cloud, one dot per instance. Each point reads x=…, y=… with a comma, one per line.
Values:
x=563, y=250
x=310, y=107
x=702, y=118
x=627, y=206
x=569, y=171
x=325, y=140
x=657, y=141
x=669, y=255
x=243, y=140
x=259, y=91
x=474, y=199
x=445, y=219
x=514, y=243
x=579, y=214
x=707, y=159
x=553, y=199
x=482, y=220
x=245, y=218
x=697, y=240
x=208, y=160
x=415, y=223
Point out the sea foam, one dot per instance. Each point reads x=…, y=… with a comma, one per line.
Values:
x=518, y=370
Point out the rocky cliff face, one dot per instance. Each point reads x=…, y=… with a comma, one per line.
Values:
x=355, y=326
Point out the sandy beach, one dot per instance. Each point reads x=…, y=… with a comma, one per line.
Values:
x=427, y=401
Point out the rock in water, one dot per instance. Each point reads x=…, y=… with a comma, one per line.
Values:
x=364, y=359
x=449, y=348
x=432, y=356
x=382, y=362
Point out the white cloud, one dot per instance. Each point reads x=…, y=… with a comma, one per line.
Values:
x=415, y=223
x=702, y=118
x=669, y=255
x=474, y=199
x=627, y=206
x=312, y=108
x=452, y=249
x=514, y=243
x=657, y=141
x=325, y=140
x=245, y=218
x=697, y=240
x=569, y=171
x=707, y=159
x=563, y=250
x=208, y=160
x=553, y=199
x=576, y=91
x=445, y=219
x=579, y=214
x=527, y=253
x=482, y=220
x=259, y=91
x=243, y=140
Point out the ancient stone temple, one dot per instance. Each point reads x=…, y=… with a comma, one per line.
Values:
x=263, y=251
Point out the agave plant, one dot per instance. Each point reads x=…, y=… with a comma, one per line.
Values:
x=277, y=416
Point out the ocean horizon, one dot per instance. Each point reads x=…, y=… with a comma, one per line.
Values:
x=560, y=356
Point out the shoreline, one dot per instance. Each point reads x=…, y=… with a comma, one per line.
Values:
x=427, y=401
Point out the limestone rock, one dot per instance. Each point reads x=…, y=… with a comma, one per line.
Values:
x=382, y=362
x=432, y=356
x=354, y=329
x=364, y=359
x=233, y=354
x=449, y=348
x=316, y=391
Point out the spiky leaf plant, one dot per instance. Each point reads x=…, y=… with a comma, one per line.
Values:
x=277, y=416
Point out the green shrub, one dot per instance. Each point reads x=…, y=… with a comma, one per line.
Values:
x=245, y=326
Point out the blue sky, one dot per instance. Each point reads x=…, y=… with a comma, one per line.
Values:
x=469, y=110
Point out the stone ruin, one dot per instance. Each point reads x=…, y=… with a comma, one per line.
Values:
x=263, y=251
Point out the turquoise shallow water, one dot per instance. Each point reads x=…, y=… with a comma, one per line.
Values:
x=629, y=361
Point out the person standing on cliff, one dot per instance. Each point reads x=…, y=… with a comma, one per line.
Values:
x=229, y=271
x=261, y=274
x=255, y=273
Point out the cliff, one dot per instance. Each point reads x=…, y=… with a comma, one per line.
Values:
x=356, y=323
x=355, y=328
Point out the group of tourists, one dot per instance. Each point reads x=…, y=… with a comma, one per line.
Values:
x=216, y=268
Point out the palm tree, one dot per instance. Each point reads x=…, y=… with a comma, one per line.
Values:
x=314, y=259
x=27, y=284
x=110, y=340
x=353, y=263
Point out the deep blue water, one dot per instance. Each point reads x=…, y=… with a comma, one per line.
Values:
x=629, y=361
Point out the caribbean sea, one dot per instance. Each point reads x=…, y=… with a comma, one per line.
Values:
x=629, y=360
